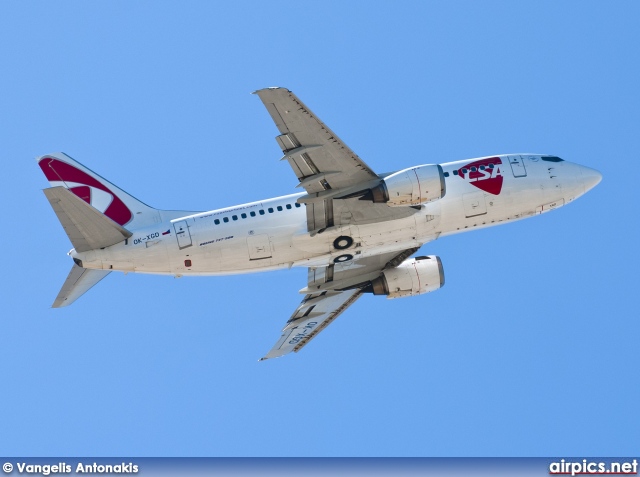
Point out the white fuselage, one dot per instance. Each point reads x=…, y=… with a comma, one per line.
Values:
x=272, y=233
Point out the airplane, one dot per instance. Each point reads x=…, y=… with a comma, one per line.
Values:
x=353, y=229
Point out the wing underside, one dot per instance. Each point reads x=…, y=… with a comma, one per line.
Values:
x=318, y=157
x=314, y=314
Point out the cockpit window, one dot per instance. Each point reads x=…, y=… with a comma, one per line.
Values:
x=552, y=158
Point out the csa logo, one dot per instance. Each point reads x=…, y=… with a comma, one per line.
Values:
x=485, y=174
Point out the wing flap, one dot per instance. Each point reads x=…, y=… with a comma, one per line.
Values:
x=79, y=281
x=86, y=227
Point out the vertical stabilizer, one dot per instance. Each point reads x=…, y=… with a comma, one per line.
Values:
x=122, y=208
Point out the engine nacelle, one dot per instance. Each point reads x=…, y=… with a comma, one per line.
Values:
x=413, y=186
x=412, y=277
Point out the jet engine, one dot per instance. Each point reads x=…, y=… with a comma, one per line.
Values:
x=413, y=186
x=412, y=277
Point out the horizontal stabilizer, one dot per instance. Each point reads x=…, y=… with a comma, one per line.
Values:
x=87, y=228
x=79, y=281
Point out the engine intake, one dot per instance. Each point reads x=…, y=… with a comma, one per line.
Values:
x=413, y=186
x=412, y=277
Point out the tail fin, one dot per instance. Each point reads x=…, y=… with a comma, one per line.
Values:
x=122, y=208
x=94, y=213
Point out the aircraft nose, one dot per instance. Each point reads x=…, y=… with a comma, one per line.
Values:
x=590, y=178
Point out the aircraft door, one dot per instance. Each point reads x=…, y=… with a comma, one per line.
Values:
x=517, y=166
x=259, y=247
x=182, y=234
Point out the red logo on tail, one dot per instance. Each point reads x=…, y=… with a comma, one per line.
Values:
x=83, y=185
x=485, y=174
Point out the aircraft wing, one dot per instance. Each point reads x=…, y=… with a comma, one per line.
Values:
x=316, y=154
x=331, y=290
x=314, y=314
x=325, y=166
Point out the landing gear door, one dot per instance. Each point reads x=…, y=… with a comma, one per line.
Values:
x=517, y=166
x=182, y=234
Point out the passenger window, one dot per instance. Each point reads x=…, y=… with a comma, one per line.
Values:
x=261, y=211
x=289, y=206
x=270, y=209
x=491, y=166
x=446, y=174
x=482, y=168
x=244, y=216
x=279, y=208
x=465, y=170
x=225, y=219
x=297, y=205
x=455, y=173
x=235, y=217
x=474, y=169
x=217, y=221
x=252, y=214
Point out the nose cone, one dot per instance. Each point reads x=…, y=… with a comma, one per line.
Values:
x=590, y=178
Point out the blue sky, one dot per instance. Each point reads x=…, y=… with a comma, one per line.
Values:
x=530, y=349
